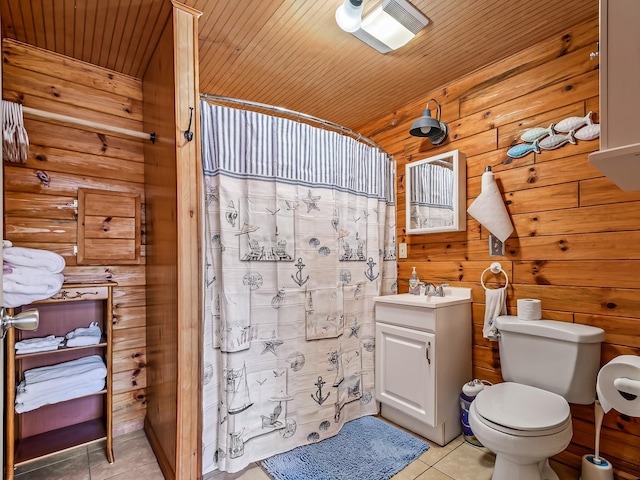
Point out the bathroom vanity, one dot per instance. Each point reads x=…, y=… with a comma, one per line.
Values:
x=423, y=357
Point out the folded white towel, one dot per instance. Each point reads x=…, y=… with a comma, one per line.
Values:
x=31, y=257
x=84, y=340
x=39, y=342
x=92, y=331
x=20, y=288
x=84, y=336
x=32, y=281
x=27, y=402
x=47, y=348
x=495, y=305
x=63, y=383
x=63, y=371
x=12, y=300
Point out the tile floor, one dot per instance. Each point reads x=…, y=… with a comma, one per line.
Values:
x=457, y=460
x=134, y=461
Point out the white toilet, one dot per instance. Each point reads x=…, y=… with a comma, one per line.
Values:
x=526, y=419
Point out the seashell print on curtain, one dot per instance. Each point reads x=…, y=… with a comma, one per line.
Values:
x=300, y=236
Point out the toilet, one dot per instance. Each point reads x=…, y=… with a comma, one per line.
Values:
x=546, y=365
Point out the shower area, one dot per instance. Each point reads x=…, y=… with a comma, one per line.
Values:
x=298, y=237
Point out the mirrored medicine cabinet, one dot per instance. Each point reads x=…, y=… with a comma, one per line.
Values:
x=436, y=194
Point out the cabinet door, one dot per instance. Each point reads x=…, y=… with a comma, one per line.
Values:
x=405, y=371
x=620, y=73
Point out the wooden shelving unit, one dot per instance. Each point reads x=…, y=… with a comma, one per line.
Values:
x=61, y=426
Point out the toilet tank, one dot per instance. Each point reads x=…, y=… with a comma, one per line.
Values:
x=560, y=357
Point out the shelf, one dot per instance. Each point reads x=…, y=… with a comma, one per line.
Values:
x=102, y=344
x=70, y=423
x=55, y=441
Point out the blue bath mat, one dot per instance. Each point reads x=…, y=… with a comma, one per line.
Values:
x=366, y=448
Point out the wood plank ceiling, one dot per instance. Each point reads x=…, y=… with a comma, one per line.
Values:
x=291, y=53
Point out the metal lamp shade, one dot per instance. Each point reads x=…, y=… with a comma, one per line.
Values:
x=427, y=126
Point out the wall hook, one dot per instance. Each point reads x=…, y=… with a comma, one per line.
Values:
x=188, y=135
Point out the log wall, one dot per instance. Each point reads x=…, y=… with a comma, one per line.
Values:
x=576, y=244
x=39, y=195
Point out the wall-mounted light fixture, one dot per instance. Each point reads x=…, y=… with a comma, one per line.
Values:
x=432, y=128
x=387, y=27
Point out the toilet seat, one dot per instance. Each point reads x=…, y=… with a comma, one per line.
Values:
x=522, y=410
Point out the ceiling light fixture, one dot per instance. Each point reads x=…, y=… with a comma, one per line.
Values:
x=432, y=128
x=389, y=26
x=349, y=15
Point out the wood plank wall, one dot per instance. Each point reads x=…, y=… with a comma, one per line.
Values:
x=39, y=195
x=576, y=244
x=162, y=265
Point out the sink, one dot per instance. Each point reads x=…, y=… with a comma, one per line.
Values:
x=452, y=296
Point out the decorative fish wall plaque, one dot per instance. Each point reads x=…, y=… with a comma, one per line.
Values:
x=573, y=123
x=556, y=141
x=533, y=134
x=523, y=149
x=576, y=128
x=589, y=132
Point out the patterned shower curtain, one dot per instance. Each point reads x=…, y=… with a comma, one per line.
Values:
x=300, y=237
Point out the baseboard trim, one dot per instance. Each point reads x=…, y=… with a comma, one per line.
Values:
x=164, y=463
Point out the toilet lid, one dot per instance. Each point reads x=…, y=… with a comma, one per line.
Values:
x=522, y=407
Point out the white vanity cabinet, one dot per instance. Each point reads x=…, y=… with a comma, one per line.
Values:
x=619, y=154
x=423, y=357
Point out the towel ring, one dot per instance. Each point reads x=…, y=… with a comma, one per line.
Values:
x=495, y=268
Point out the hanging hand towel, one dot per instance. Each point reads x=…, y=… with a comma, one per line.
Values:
x=495, y=305
x=488, y=208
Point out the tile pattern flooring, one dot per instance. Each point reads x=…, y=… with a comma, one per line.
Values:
x=457, y=460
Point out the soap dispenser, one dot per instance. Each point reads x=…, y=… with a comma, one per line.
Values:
x=414, y=283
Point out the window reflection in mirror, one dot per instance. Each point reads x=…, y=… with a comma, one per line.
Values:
x=436, y=194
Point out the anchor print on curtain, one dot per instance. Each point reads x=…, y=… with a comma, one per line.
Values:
x=299, y=238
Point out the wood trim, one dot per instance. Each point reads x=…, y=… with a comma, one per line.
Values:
x=156, y=445
x=10, y=399
x=186, y=8
x=189, y=451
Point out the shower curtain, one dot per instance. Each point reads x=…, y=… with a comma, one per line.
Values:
x=299, y=238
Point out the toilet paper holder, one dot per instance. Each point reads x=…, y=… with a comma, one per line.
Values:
x=495, y=268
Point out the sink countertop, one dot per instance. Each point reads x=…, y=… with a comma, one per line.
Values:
x=452, y=296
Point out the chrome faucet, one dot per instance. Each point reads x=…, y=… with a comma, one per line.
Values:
x=431, y=289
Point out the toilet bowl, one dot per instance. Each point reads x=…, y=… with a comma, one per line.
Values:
x=523, y=426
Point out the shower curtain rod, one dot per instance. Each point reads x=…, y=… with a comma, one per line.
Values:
x=88, y=123
x=292, y=113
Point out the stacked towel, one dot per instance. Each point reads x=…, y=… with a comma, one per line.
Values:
x=84, y=336
x=60, y=382
x=40, y=344
x=30, y=275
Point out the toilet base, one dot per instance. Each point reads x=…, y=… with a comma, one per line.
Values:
x=508, y=470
